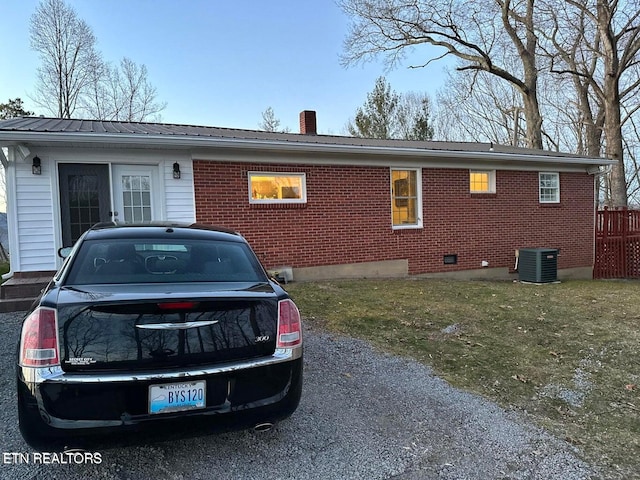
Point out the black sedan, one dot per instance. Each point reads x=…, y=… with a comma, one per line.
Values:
x=168, y=326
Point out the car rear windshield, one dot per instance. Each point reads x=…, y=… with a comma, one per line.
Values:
x=178, y=261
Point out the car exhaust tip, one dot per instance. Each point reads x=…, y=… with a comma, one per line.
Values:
x=263, y=427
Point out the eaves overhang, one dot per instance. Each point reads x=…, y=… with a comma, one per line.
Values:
x=205, y=148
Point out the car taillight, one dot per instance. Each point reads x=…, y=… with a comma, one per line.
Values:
x=39, y=341
x=289, y=325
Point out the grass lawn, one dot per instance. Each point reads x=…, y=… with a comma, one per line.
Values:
x=567, y=354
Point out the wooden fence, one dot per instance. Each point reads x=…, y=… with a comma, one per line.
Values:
x=617, y=244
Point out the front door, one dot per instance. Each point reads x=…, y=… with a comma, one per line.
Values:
x=84, y=198
x=133, y=193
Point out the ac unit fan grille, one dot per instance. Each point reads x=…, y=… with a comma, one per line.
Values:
x=538, y=265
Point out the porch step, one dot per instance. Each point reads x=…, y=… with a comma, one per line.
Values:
x=21, y=288
x=15, y=304
x=17, y=294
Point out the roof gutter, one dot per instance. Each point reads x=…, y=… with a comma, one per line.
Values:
x=137, y=140
x=598, y=172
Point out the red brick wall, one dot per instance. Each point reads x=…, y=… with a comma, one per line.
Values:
x=347, y=217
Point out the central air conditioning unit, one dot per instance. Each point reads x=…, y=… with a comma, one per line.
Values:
x=538, y=265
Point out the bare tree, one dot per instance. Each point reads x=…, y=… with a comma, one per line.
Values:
x=97, y=101
x=138, y=94
x=570, y=51
x=123, y=93
x=596, y=43
x=66, y=45
x=270, y=123
x=620, y=37
x=631, y=136
x=564, y=127
x=572, y=45
x=74, y=77
x=478, y=107
x=481, y=35
x=592, y=44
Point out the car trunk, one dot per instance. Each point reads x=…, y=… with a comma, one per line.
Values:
x=165, y=326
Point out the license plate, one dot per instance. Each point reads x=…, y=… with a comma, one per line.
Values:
x=176, y=397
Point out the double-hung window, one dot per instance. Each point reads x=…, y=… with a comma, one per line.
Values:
x=549, y=187
x=406, y=198
x=267, y=187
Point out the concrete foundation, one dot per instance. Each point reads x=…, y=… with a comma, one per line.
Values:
x=384, y=269
x=400, y=268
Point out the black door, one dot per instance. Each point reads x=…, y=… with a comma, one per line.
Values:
x=84, y=198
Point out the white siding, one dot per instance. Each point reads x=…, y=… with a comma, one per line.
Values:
x=35, y=202
x=35, y=219
x=180, y=197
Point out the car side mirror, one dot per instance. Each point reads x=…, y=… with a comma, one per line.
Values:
x=64, y=252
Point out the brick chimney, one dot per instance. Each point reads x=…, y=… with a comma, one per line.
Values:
x=308, y=122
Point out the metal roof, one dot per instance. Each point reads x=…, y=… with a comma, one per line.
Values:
x=57, y=130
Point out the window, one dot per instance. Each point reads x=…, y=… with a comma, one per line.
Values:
x=267, y=187
x=84, y=203
x=136, y=198
x=163, y=260
x=406, y=198
x=482, y=181
x=549, y=187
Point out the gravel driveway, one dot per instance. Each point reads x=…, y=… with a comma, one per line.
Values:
x=363, y=415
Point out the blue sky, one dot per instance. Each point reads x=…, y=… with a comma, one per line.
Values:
x=222, y=63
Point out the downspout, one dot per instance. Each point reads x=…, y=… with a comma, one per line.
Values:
x=5, y=165
x=596, y=174
x=8, y=162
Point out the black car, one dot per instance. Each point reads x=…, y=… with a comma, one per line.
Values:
x=168, y=326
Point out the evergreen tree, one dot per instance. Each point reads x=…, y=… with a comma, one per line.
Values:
x=13, y=108
x=387, y=114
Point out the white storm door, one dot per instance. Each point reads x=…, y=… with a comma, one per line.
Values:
x=134, y=191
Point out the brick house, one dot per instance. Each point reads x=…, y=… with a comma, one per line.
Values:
x=325, y=206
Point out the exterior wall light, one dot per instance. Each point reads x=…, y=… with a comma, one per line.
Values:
x=36, y=166
x=176, y=170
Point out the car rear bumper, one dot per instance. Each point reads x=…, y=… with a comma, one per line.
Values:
x=238, y=394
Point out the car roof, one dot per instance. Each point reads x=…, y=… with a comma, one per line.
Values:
x=156, y=230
